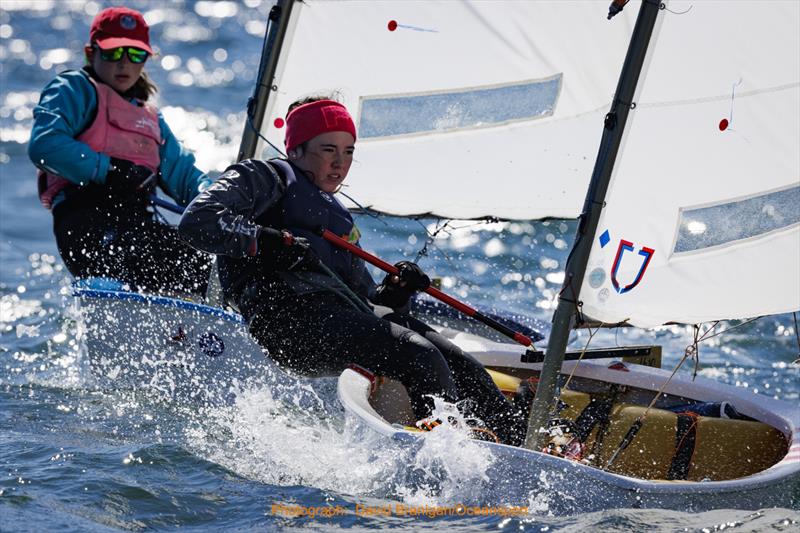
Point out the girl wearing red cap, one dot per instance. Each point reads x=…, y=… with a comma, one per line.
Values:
x=313, y=306
x=101, y=150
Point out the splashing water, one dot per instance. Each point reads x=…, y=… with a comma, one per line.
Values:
x=77, y=452
x=448, y=467
x=287, y=434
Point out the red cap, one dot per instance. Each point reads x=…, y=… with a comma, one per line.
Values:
x=120, y=26
x=309, y=120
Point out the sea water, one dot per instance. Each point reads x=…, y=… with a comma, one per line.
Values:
x=77, y=455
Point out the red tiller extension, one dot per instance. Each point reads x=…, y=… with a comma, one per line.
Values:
x=436, y=293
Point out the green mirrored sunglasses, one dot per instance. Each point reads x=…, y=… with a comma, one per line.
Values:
x=135, y=55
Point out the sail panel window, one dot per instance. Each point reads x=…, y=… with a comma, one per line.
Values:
x=387, y=116
x=710, y=226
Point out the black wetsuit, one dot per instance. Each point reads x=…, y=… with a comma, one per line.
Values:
x=305, y=317
x=99, y=235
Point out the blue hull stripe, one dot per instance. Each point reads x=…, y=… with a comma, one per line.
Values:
x=159, y=300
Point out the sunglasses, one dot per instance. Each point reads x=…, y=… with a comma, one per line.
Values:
x=135, y=55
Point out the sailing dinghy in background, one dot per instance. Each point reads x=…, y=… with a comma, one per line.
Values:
x=494, y=109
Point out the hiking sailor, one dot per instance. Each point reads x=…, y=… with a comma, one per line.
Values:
x=101, y=150
x=313, y=306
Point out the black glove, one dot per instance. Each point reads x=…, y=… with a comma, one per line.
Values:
x=127, y=178
x=292, y=253
x=395, y=289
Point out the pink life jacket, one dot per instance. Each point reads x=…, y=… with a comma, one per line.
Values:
x=120, y=129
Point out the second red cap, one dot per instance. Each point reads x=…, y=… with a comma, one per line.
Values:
x=120, y=26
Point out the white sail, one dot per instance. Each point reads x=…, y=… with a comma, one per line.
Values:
x=465, y=109
x=702, y=217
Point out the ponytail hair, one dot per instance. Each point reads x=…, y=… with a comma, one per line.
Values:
x=143, y=89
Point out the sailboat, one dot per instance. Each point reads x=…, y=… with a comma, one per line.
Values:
x=497, y=107
x=508, y=110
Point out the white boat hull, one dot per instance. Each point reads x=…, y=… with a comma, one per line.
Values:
x=181, y=349
x=167, y=345
x=571, y=487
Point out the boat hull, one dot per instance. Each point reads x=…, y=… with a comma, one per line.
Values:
x=204, y=354
x=564, y=486
x=167, y=346
x=181, y=348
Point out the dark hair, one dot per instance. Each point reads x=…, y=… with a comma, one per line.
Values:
x=143, y=89
x=313, y=98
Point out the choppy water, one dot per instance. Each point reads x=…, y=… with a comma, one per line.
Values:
x=76, y=456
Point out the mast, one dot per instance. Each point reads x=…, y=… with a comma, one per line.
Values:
x=257, y=104
x=544, y=402
x=256, y=107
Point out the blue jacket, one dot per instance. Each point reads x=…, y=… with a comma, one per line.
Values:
x=66, y=108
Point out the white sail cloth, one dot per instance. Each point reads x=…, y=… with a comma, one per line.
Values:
x=465, y=109
x=709, y=176
x=471, y=109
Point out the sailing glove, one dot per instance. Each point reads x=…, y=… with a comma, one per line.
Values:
x=127, y=178
x=396, y=289
x=292, y=253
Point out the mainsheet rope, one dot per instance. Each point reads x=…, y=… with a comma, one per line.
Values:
x=692, y=351
x=583, y=352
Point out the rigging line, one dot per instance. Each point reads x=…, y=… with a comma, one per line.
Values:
x=583, y=352
x=428, y=240
x=344, y=292
x=705, y=336
x=574, y=296
x=677, y=12
x=431, y=237
x=258, y=133
x=709, y=334
x=731, y=328
x=696, y=348
x=797, y=334
x=718, y=98
x=369, y=212
x=695, y=420
x=690, y=350
x=733, y=95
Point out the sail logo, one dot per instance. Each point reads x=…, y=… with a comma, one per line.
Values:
x=624, y=246
x=211, y=344
x=627, y=246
